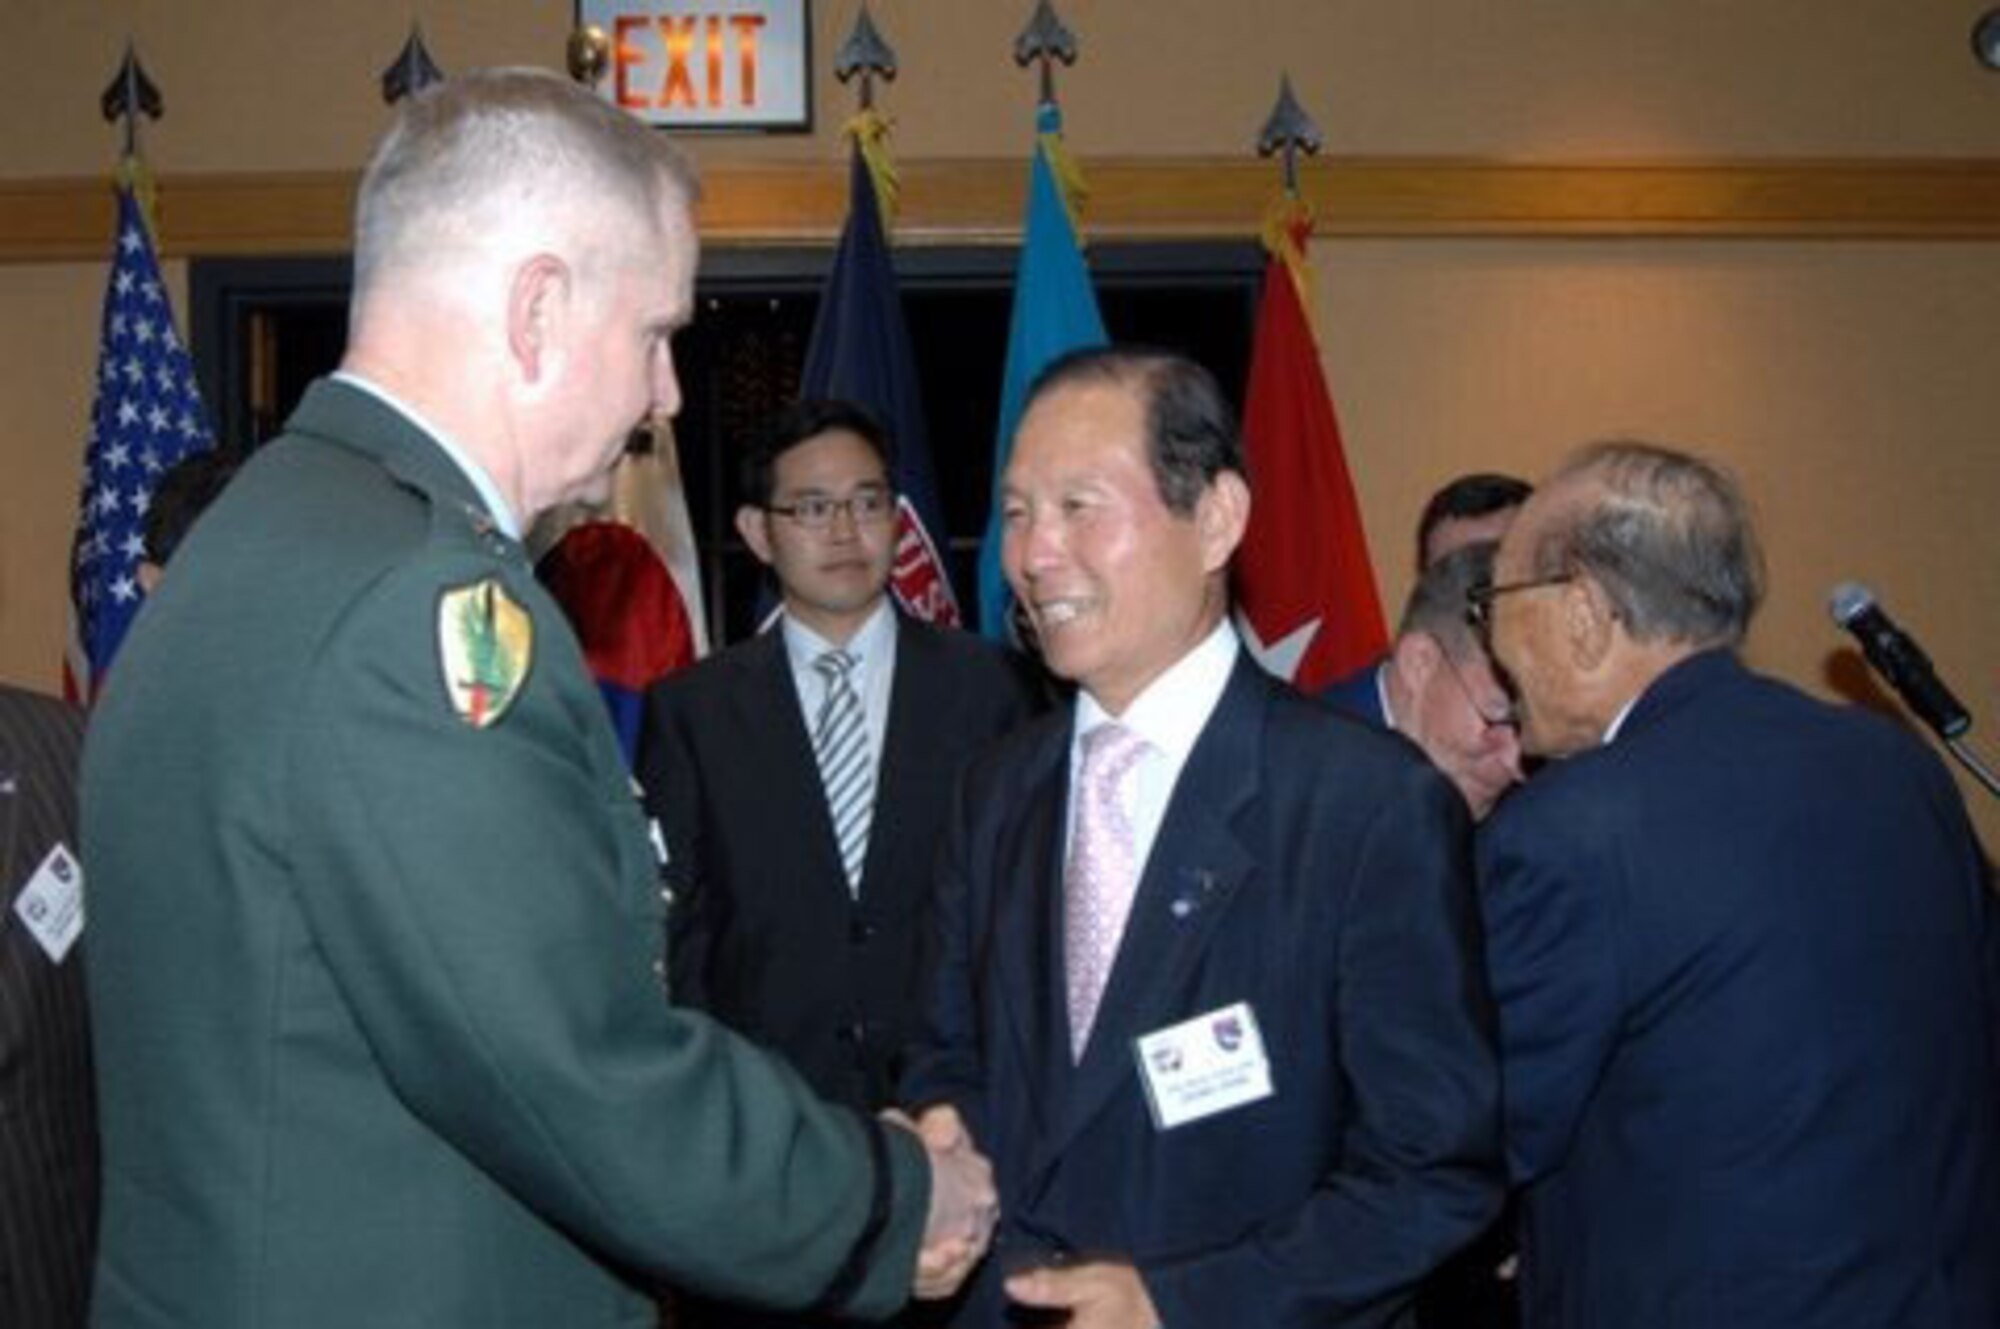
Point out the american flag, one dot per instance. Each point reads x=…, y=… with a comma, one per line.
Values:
x=147, y=415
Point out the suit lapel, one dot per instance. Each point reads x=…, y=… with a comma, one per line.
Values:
x=1029, y=907
x=911, y=701
x=775, y=711
x=1197, y=864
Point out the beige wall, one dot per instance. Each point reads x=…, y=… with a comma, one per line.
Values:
x=1854, y=384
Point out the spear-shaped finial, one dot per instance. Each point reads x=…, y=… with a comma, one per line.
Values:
x=1289, y=131
x=411, y=71
x=864, y=53
x=130, y=95
x=1045, y=40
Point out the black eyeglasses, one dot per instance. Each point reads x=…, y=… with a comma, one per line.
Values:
x=1479, y=600
x=816, y=512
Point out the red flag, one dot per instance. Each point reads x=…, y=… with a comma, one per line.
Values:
x=628, y=580
x=1305, y=589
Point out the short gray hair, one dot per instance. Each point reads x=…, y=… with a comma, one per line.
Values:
x=494, y=139
x=1667, y=535
x=1436, y=605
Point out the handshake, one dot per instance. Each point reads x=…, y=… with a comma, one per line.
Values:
x=964, y=1204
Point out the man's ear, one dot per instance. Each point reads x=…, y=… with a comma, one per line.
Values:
x=538, y=306
x=754, y=525
x=1590, y=623
x=1415, y=657
x=1222, y=513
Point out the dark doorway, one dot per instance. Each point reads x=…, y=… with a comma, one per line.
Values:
x=262, y=329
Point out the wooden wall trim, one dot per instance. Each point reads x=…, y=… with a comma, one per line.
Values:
x=973, y=201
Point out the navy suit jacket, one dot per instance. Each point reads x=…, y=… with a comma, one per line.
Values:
x=1311, y=867
x=766, y=935
x=1744, y=960
x=1359, y=693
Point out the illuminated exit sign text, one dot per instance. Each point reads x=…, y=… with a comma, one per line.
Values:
x=714, y=64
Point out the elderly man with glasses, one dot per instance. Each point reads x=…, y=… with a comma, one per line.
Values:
x=1742, y=943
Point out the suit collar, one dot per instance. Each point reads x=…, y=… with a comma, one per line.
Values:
x=1679, y=684
x=359, y=420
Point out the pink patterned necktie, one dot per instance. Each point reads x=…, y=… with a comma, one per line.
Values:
x=1101, y=877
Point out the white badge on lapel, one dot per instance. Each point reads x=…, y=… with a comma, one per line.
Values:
x=50, y=906
x=1203, y=1066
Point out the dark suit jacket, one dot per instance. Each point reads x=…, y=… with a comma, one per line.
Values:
x=1744, y=963
x=48, y=1113
x=1359, y=694
x=380, y=1032
x=766, y=934
x=1308, y=865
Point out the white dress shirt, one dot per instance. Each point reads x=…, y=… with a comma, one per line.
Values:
x=1170, y=715
x=874, y=650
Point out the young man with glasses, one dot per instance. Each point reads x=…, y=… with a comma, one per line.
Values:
x=1437, y=686
x=801, y=778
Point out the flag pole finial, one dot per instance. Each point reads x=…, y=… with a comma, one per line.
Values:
x=1045, y=41
x=411, y=71
x=588, y=54
x=865, y=54
x=129, y=96
x=1288, y=132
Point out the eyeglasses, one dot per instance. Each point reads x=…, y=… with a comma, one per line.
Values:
x=816, y=512
x=1505, y=718
x=1479, y=601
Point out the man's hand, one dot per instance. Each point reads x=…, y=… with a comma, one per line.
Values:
x=1097, y=1296
x=964, y=1204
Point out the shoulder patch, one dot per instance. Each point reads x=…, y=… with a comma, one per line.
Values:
x=486, y=642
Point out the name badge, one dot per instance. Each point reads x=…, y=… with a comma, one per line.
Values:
x=50, y=906
x=1203, y=1066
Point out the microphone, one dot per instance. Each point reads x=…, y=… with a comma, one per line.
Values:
x=1897, y=658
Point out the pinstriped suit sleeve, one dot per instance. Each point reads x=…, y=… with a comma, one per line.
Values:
x=48, y=1141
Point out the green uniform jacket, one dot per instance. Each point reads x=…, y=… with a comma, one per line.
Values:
x=380, y=1030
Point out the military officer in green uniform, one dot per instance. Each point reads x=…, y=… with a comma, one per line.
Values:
x=375, y=916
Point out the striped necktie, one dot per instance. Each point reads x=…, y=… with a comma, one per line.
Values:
x=840, y=742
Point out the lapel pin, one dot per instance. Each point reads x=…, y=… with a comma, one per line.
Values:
x=1199, y=882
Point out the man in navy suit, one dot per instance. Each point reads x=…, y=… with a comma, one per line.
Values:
x=1742, y=943
x=1467, y=510
x=1436, y=686
x=1209, y=994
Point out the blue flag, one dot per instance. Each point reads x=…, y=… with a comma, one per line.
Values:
x=860, y=352
x=147, y=415
x=1055, y=311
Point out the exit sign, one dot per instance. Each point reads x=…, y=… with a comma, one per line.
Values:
x=707, y=64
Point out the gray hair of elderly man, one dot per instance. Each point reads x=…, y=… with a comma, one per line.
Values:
x=1436, y=603
x=1667, y=535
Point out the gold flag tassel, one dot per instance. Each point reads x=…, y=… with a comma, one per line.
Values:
x=1070, y=184
x=133, y=175
x=1288, y=224
x=870, y=131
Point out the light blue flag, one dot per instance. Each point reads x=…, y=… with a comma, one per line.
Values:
x=1055, y=310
